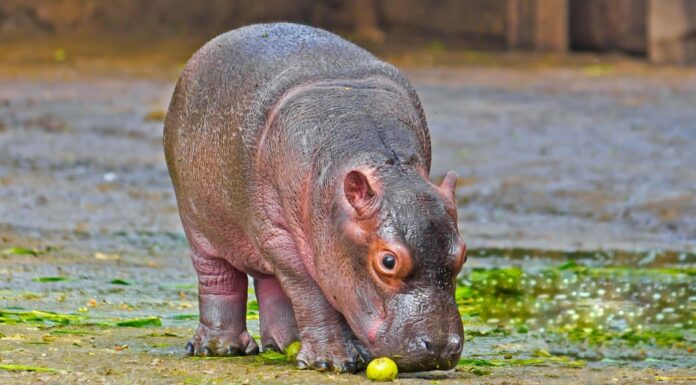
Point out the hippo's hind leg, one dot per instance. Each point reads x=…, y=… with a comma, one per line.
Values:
x=278, y=324
x=222, y=296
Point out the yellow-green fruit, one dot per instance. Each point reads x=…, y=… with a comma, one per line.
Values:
x=382, y=369
x=292, y=350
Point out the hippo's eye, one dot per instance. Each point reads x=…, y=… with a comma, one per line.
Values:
x=389, y=261
x=391, y=266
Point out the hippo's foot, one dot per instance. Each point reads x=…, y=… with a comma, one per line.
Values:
x=216, y=343
x=222, y=301
x=338, y=354
x=278, y=324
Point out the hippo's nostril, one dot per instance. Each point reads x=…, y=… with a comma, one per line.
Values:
x=454, y=345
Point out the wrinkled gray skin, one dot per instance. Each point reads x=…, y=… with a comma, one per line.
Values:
x=301, y=160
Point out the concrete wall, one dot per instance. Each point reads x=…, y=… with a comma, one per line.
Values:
x=463, y=23
x=672, y=26
x=201, y=17
x=664, y=30
x=537, y=24
x=609, y=25
x=459, y=23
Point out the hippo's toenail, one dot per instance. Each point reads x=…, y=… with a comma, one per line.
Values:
x=321, y=366
x=300, y=364
x=233, y=351
x=189, y=348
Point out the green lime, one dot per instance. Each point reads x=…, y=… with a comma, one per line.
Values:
x=382, y=369
x=292, y=350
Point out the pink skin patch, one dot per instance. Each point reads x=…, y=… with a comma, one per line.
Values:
x=269, y=288
x=372, y=332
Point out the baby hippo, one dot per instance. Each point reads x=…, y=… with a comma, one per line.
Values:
x=303, y=161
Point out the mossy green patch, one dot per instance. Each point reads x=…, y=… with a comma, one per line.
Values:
x=17, y=250
x=44, y=318
x=477, y=370
x=51, y=279
x=479, y=362
x=272, y=357
x=185, y=317
x=252, y=312
x=140, y=322
x=596, y=337
x=544, y=360
x=11, y=316
x=26, y=368
x=76, y=332
x=582, y=303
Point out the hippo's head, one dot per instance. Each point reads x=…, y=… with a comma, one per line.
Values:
x=396, y=254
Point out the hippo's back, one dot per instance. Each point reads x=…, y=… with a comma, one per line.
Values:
x=227, y=91
x=228, y=86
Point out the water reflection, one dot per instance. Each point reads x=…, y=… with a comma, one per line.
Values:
x=598, y=306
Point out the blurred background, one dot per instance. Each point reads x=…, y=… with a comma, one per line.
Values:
x=660, y=30
x=570, y=122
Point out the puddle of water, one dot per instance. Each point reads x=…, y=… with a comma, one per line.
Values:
x=607, y=307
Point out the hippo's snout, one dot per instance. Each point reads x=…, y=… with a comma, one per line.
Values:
x=428, y=353
x=447, y=351
x=429, y=339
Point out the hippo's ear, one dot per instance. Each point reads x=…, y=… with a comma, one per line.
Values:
x=448, y=185
x=359, y=193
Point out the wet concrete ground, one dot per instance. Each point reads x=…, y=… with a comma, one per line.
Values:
x=580, y=156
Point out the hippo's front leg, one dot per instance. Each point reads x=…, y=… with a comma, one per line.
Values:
x=328, y=343
x=222, y=296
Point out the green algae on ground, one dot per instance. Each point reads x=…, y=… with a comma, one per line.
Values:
x=548, y=360
x=253, y=306
x=16, y=250
x=26, y=368
x=617, y=257
x=272, y=357
x=140, y=322
x=479, y=362
x=185, y=317
x=609, y=306
x=252, y=310
x=75, y=332
x=596, y=337
x=44, y=318
x=510, y=288
x=11, y=316
x=51, y=279
x=477, y=370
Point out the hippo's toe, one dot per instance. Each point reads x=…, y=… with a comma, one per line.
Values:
x=217, y=343
x=348, y=361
